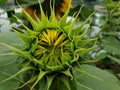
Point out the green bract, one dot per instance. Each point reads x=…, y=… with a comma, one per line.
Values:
x=53, y=48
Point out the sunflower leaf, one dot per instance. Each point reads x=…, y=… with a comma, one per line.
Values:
x=25, y=68
x=17, y=51
x=108, y=82
x=6, y=71
x=29, y=81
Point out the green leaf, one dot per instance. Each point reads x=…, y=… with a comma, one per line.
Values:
x=8, y=65
x=5, y=72
x=9, y=85
x=16, y=51
x=101, y=55
x=25, y=68
x=108, y=82
x=114, y=59
x=86, y=9
x=73, y=85
x=3, y=1
x=86, y=12
x=10, y=38
x=78, y=68
x=111, y=45
x=9, y=59
x=32, y=79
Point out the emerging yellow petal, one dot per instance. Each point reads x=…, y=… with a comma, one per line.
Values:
x=52, y=37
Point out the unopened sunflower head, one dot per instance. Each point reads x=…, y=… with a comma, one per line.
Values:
x=52, y=45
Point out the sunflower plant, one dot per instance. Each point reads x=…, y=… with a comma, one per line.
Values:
x=52, y=56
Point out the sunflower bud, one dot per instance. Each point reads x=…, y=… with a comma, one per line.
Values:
x=52, y=48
